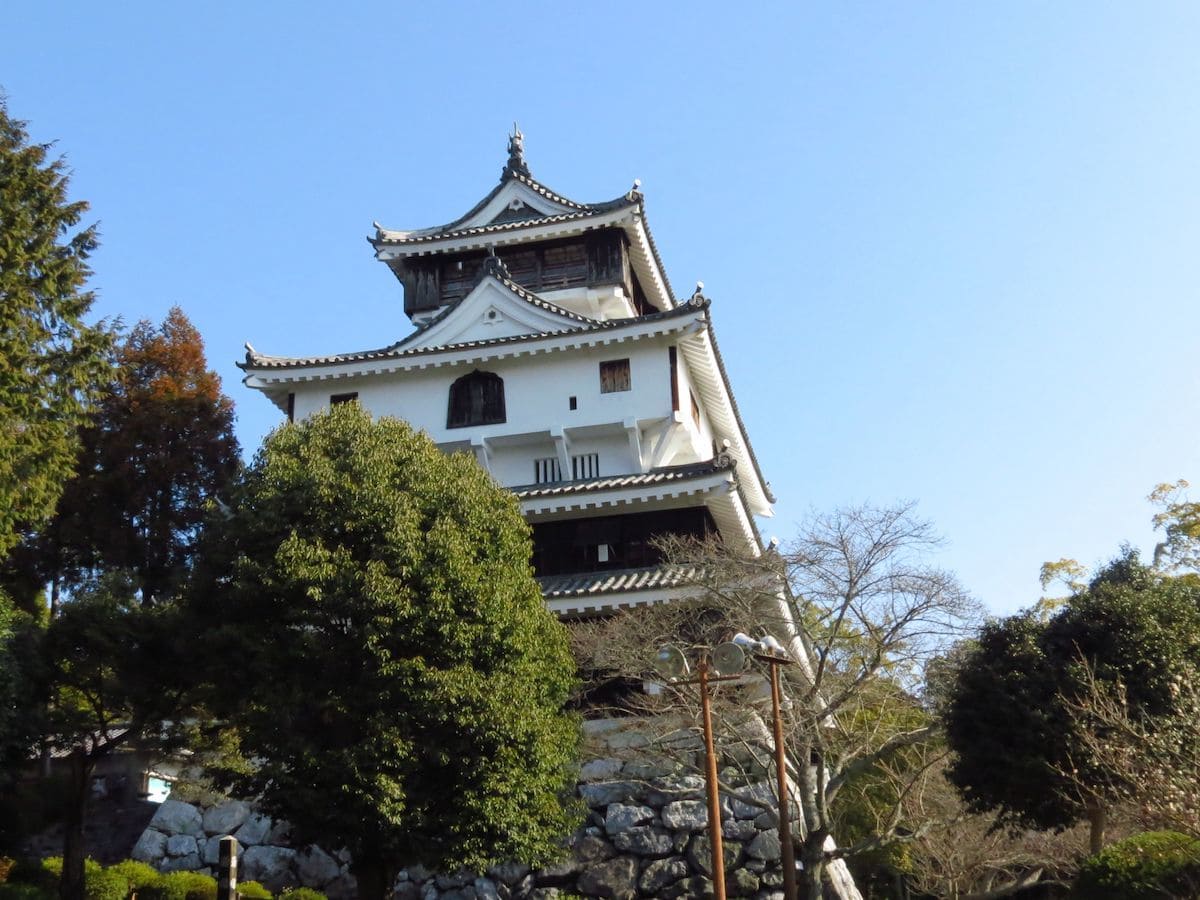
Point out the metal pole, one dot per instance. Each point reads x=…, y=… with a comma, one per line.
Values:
x=710, y=777
x=787, y=850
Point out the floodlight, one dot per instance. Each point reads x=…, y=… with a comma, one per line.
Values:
x=773, y=646
x=746, y=642
x=728, y=658
x=671, y=662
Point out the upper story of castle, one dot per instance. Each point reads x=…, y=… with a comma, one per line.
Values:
x=594, y=259
x=549, y=344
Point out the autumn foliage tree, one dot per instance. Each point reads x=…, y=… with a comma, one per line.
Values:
x=158, y=449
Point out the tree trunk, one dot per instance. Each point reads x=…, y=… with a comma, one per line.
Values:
x=373, y=877
x=71, y=885
x=812, y=855
x=1098, y=820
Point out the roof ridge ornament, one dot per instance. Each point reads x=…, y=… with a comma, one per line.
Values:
x=698, y=298
x=494, y=265
x=516, y=156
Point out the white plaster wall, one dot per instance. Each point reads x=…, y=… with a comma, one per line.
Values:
x=536, y=393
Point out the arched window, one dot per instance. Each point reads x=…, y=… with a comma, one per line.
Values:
x=476, y=399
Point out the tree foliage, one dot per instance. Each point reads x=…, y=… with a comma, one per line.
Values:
x=158, y=448
x=1020, y=750
x=409, y=682
x=51, y=362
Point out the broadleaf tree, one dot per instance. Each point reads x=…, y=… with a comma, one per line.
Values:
x=407, y=682
x=52, y=362
x=1021, y=752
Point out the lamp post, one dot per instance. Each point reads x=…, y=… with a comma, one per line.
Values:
x=771, y=652
x=728, y=659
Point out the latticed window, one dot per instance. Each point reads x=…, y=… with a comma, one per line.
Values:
x=546, y=470
x=585, y=465
x=614, y=376
x=476, y=399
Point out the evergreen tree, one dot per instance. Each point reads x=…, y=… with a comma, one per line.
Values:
x=52, y=363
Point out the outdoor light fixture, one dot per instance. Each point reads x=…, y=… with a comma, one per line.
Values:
x=727, y=661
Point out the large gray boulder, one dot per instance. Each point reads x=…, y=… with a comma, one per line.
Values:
x=644, y=840
x=253, y=831
x=226, y=817
x=315, y=867
x=150, y=847
x=621, y=817
x=660, y=873
x=176, y=817
x=614, y=878
x=685, y=815
x=270, y=866
x=182, y=845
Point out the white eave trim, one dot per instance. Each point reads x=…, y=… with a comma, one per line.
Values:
x=706, y=376
x=586, y=604
x=268, y=378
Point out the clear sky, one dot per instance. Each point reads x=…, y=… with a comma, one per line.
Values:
x=953, y=248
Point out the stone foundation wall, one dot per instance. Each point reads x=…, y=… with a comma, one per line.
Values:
x=645, y=835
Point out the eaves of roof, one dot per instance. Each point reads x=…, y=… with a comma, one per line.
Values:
x=617, y=581
x=387, y=237
x=400, y=350
x=638, y=479
x=712, y=336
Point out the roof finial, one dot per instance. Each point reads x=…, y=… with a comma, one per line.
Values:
x=516, y=155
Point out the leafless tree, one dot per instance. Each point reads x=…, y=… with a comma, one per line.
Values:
x=862, y=609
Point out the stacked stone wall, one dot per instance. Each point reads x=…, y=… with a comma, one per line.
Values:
x=645, y=835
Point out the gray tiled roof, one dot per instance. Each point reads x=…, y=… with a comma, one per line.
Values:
x=617, y=581
x=638, y=479
x=454, y=229
x=400, y=349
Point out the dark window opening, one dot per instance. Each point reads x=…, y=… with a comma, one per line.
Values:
x=291, y=407
x=614, y=376
x=350, y=397
x=612, y=542
x=573, y=403
x=476, y=399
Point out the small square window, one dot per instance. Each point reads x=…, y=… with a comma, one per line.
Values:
x=335, y=399
x=614, y=376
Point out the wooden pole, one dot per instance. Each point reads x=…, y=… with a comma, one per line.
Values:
x=227, y=869
x=710, y=777
x=787, y=850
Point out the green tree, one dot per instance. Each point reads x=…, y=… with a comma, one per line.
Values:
x=1020, y=750
x=52, y=363
x=111, y=671
x=409, y=683
x=157, y=449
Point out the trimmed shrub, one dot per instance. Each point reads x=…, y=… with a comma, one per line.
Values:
x=138, y=875
x=1152, y=866
x=181, y=886
x=252, y=890
x=302, y=893
x=19, y=890
x=105, y=884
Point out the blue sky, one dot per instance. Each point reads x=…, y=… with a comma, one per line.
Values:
x=952, y=248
